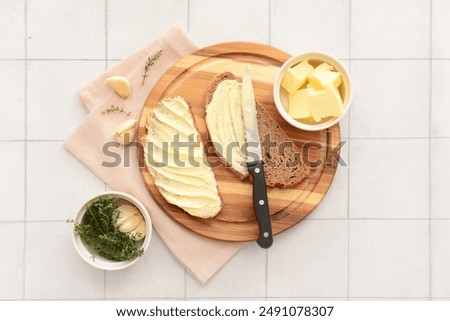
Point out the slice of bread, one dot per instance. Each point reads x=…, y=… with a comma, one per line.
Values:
x=283, y=166
x=225, y=124
x=181, y=174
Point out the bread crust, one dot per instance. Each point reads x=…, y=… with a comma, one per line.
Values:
x=275, y=177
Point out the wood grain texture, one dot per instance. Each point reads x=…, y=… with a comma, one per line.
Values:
x=190, y=78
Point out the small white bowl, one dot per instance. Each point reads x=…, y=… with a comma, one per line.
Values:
x=97, y=260
x=315, y=58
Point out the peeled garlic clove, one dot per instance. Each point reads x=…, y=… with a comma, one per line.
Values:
x=131, y=223
x=139, y=232
x=120, y=85
x=126, y=131
x=125, y=213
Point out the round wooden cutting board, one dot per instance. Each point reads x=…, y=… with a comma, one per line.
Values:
x=190, y=78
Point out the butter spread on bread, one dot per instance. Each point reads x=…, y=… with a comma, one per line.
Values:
x=226, y=126
x=181, y=173
x=283, y=164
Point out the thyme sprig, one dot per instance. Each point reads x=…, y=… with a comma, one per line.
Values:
x=150, y=61
x=114, y=109
x=98, y=231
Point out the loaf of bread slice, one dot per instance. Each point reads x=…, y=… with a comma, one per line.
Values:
x=283, y=165
x=181, y=173
x=225, y=124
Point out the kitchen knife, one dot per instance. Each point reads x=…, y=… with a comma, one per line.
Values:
x=255, y=163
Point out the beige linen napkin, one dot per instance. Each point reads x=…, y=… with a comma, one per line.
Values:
x=201, y=256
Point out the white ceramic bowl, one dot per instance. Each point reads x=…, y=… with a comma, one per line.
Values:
x=97, y=260
x=315, y=58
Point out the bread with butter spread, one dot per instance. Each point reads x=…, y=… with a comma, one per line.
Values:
x=283, y=167
x=175, y=158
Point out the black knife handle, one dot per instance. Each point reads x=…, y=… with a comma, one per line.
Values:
x=261, y=204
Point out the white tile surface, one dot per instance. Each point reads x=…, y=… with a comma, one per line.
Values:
x=440, y=178
x=51, y=93
x=307, y=299
x=309, y=260
x=440, y=260
x=345, y=121
x=134, y=24
x=12, y=181
x=440, y=99
x=390, y=29
x=390, y=98
x=225, y=299
x=156, y=275
x=344, y=124
x=12, y=29
x=335, y=202
x=217, y=21
x=53, y=269
x=11, y=266
x=66, y=29
x=389, y=258
x=242, y=276
x=389, y=299
x=386, y=44
x=389, y=178
x=12, y=93
x=441, y=25
x=299, y=26
x=58, y=180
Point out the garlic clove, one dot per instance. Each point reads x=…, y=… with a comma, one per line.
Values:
x=126, y=131
x=139, y=232
x=125, y=213
x=131, y=223
x=119, y=85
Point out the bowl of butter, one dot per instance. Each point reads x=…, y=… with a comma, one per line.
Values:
x=312, y=91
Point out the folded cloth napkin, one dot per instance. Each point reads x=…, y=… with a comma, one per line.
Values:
x=201, y=256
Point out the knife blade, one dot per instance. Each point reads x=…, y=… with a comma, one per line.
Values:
x=255, y=163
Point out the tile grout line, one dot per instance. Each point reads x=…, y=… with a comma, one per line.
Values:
x=185, y=285
x=394, y=59
x=106, y=34
x=266, y=276
x=25, y=149
x=348, y=150
x=386, y=138
x=242, y=298
x=349, y=53
x=188, y=24
x=104, y=284
x=348, y=223
x=58, y=59
x=32, y=140
x=282, y=297
x=374, y=219
x=430, y=96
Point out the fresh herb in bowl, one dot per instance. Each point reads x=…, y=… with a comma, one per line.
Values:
x=97, y=230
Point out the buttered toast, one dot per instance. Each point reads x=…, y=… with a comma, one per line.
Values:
x=174, y=157
x=283, y=167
